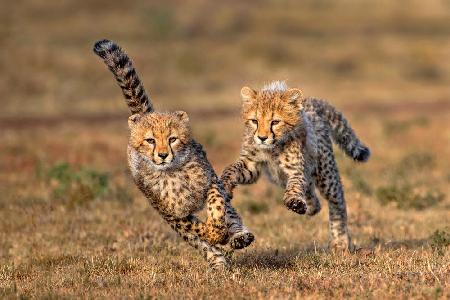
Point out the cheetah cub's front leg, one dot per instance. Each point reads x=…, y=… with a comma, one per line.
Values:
x=293, y=166
x=301, y=200
x=244, y=171
x=299, y=195
x=223, y=223
x=239, y=235
x=294, y=197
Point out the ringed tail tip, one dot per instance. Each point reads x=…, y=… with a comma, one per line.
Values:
x=363, y=154
x=102, y=47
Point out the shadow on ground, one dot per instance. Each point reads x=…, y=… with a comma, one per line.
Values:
x=276, y=259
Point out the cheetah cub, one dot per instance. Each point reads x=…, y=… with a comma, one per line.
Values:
x=290, y=138
x=171, y=168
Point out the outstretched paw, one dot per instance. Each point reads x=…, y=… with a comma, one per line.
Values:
x=296, y=205
x=241, y=239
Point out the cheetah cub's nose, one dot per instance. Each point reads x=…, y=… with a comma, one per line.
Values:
x=163, y=155
x=262, y=138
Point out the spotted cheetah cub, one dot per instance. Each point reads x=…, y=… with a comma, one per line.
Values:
x=290, y=138
x=171, y=168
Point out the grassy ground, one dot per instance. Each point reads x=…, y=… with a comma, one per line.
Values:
x=72, y=224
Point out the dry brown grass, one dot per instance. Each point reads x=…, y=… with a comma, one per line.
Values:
x=385, y=64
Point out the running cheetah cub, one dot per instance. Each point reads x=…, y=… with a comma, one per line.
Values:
x=171, y=168
x=290, y=138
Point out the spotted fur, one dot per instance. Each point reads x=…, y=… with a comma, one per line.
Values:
x=290, y=139
x=172, y=170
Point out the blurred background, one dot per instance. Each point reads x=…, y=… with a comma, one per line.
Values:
x=64, y=184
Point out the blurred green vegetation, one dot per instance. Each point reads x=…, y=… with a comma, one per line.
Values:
x=407, y=183
x=76, y=186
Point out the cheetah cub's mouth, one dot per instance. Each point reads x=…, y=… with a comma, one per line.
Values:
x=162, y=139
x=265, y=147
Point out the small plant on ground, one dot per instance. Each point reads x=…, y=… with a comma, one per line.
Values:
x=439, y=240
x=78, y=186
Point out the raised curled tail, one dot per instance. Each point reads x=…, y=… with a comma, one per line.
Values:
x=121, y=66
x=341, y=131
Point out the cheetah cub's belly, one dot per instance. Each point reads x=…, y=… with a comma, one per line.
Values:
x=275, y=173
x=271, y=167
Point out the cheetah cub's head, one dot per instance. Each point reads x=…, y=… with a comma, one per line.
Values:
x=162, y=139
x=270, y=113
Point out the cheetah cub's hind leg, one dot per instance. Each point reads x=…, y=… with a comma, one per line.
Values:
x=191, y=229
x=312, y=201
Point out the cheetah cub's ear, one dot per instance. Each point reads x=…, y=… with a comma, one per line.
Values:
x=183, y=116
x=133, y=119
x=247, y=94
x=295, y=96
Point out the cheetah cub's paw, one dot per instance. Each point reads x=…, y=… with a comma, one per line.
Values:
x=241, y=239
x=342, y=244
x=296, y=205
x=219, y=264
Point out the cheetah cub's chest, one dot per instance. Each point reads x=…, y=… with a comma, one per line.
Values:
x=271, y=167
x=180, y=193
x=176, y=193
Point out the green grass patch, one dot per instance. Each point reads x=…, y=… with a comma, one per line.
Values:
x=406, y=198
x=76, y=186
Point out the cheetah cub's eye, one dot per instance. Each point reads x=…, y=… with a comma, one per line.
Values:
x=275, y=122
x=172, y=139
x=254, y=121
x=150, y=141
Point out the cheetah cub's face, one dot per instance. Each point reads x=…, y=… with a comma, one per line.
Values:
x=270, y=115
x=161, y=138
